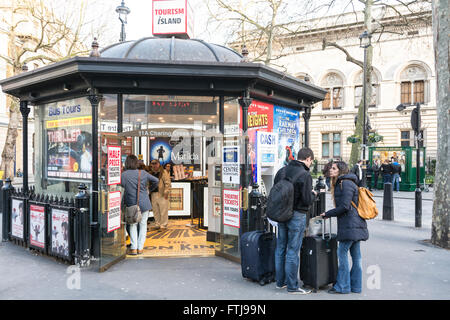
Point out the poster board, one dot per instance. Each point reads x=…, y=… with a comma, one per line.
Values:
x=231, y=208
x=17, y=219
x=60, y=232
x=37, y=226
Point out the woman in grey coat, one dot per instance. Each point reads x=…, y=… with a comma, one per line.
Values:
x=138, y=231
x=352, y=229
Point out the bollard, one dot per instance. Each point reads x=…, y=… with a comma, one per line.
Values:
x=255, y=212
x=7, y=189
x=388, y=202
x=82, y=227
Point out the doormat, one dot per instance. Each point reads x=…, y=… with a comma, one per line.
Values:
x=178, y=240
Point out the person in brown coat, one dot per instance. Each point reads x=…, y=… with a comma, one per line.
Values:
x=160, y=197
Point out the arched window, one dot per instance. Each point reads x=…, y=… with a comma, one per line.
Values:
x=413, y=85
x=334, y=84
x=359, y=89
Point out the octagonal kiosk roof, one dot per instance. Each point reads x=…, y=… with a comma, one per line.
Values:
x=162, y=66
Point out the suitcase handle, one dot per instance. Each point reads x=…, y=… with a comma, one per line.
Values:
x=323, y=228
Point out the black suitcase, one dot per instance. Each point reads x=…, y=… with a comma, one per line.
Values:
x=318, y=260
x=258, y=256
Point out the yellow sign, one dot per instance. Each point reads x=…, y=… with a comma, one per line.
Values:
x=70, y=122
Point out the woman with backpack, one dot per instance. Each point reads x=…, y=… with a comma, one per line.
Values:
x=352, y=229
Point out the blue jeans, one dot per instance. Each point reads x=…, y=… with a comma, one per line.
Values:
x=387, y=178
x=349, y=280
x=137, y=237
x=287, y=253
x=396, y=181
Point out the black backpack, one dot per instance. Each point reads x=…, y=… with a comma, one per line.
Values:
x=280, y=203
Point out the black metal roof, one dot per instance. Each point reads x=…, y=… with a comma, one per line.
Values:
x=124, y=68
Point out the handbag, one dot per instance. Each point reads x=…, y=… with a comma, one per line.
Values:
x=133, y=214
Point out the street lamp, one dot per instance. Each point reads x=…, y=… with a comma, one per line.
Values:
x=364, y=42
x=415, y=125
x=123, y=11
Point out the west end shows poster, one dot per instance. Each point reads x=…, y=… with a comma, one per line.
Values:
x=286, y=122
x=69, y=141
x=37, y=226
x=17, y=218
x=60, y=232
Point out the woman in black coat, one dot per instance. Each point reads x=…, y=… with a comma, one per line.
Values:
x=351, y=228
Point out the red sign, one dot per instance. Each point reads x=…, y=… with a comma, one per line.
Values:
x=114, y=165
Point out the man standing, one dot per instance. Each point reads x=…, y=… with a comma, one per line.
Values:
x=396, y=171
x=357, y=170
x=160, y=196
x=290, y=233
x=376, y=173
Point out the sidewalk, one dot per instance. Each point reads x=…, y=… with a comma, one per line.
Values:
x=397, y=264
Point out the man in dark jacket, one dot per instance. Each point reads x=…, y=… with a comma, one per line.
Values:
x=290, y=233
x=396, y=171
x=357, y=171
x=386, y=171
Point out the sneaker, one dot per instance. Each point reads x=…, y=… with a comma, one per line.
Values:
x=299, y=291
x=283, y=287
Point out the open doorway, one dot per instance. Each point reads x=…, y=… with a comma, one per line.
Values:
x=183, y=132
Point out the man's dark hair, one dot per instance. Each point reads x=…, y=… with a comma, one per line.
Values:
x=305, y=153
x=131, y=163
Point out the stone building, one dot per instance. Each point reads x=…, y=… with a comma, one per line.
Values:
x=403, y=72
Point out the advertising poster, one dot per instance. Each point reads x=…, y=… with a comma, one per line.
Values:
x=69, y=148
x=230, y=165
x=286, y=122
x=17, y=218
x=267, y=148
x=113, y=211
x=114, y=165
x=60, y=232
x=231, y=208
x=161, y=150
x=260, y=118
x=37, y=226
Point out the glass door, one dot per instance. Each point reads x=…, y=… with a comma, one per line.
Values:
x=112, y=230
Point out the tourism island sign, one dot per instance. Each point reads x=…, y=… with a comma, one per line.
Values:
x=172, y=17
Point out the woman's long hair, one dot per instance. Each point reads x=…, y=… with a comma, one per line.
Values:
x=343, y=169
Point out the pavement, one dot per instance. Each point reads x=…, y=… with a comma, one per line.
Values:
x=398, y=264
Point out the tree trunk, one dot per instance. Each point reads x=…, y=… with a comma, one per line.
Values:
x=441, y=205
x=355, y=154
x=8, y=154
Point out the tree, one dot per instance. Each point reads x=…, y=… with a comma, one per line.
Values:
x=375, y=27
x=39, y=32
x=260, y=25
x=441, y=206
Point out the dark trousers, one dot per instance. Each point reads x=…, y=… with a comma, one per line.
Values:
x=375, y=182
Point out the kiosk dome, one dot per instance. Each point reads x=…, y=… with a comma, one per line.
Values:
x=171, y=49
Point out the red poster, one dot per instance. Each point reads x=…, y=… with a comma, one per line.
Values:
x=37, y=226
x=114, y=165
x=259, y=118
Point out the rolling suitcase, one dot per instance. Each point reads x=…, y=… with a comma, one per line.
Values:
x=258, y=256
x=318, y=259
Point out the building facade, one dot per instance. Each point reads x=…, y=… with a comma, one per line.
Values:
x=403, y=72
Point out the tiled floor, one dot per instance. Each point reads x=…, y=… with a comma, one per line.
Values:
x=178, y=240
